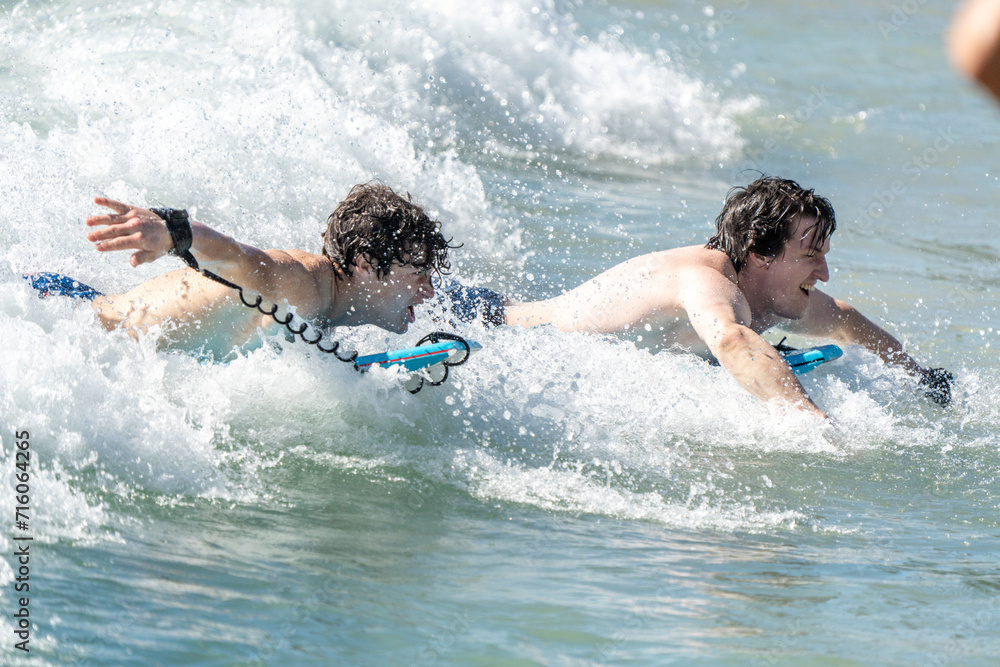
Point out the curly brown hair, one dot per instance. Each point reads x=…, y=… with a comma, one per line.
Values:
x=761, y=217
x=376, y=223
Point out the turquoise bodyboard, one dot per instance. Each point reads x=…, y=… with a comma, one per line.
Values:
x=415, y=358
x=803, y=361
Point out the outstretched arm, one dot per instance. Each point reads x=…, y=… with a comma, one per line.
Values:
x=832, y=318
x=141, y=230
x=842, y=322
x=720, y=315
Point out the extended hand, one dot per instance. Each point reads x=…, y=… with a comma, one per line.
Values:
x=130, y=228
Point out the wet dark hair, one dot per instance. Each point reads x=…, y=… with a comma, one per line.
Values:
x=761, y=217
x=376, y=223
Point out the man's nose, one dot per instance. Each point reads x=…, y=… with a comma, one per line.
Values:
x=426, y=287
x=823, y=271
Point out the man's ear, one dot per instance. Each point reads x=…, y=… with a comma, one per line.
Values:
x=759, y=261
x=363, y=267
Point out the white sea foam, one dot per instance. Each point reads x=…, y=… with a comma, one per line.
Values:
x=562, y=421
x=229, y=117
x=579, y=424
x=262, y=116
x=523, y=75
x=100, y=404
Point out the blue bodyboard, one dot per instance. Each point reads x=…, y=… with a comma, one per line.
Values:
x=803, y=361
x=415, y=358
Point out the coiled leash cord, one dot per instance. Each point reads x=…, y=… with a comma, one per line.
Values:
x=436, y=337
x=179, y=227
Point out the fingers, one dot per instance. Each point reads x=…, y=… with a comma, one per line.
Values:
x=115, y=229
x=113, y=219
x=112, y=204
x=129, y=228
x=143, y=257
x=129, y=242
x=123, y=212
x=97, y=220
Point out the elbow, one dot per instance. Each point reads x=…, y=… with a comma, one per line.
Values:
x=737, y=347
x=731, y=341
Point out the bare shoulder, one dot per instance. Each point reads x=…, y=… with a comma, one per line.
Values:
x=678, y=260
x=658, y=290
x=708, y=287
x=696, y=263
x=306, y=261
x=688, y=278
x=713, y=260
x=303, y=278
x=824, y=316
x=668, y=278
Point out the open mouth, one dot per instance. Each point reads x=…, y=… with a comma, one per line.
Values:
x=806, y=288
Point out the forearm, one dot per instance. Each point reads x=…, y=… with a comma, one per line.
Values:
x=859, y=330
x=760, y=369
x=891, y=351
x=238, y=262
x=832, y=318
x=214, y=254
x=829, y=317
x=153, y=234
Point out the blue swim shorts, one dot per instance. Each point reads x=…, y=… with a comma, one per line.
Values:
x=49, y=284
x=470, y=304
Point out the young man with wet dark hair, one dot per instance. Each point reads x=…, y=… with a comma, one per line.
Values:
x=379, y=251
x=761, y=218
x=375, y=223
x=760, y=270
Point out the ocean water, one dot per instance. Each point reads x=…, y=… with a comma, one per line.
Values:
x=562, y=499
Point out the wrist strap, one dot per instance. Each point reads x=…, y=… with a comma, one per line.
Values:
x=180, y=232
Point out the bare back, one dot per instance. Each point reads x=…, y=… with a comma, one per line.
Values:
x=644, y=294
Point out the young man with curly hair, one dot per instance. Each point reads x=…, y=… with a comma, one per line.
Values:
x=760, y=270
x=379, y=251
